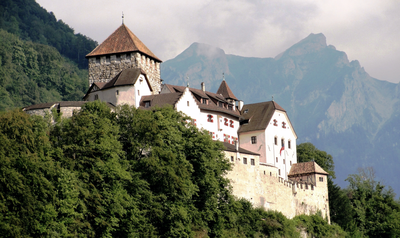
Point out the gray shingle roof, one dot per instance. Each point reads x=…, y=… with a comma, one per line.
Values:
x=258, y=115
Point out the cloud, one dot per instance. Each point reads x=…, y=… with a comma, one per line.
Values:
x=367, y=30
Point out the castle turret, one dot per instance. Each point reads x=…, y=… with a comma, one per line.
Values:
x=123, y=50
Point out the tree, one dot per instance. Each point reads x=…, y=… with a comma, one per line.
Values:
x=376, y=213
x=308, y=152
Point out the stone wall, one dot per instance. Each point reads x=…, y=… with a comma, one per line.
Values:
x=104, y=68
x=261, y=185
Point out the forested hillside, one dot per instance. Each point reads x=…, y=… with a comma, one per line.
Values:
x=32, y=73
x=132, y=173
x=29, y=21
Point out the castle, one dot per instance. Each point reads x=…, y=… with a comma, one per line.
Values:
x=259, y=138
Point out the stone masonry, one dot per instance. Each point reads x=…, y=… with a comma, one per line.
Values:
x=104, y=68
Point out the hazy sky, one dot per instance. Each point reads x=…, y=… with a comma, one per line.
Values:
x=367, y=30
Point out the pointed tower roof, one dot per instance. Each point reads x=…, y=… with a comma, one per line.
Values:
x=225, y=91
x=122, y=40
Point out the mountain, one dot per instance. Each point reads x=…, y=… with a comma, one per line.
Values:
x=333, y=103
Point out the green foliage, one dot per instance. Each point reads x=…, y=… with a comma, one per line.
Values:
x=307, y=152
x=376, y=212
x=316, y=226
x=129, y=173
x=32, y=73
x=30, y=22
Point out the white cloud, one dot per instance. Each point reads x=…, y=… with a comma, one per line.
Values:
x=367, y=30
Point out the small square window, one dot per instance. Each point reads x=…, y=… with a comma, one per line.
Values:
x=321, y=179
x=253, y=162
x=204, y=100
x=254, y=140
x=244, y=160
x=147, y=104
x=220, y=104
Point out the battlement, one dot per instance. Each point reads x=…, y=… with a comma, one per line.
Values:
x=261, y=184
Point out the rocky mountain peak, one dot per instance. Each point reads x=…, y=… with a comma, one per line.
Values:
x=312, y=43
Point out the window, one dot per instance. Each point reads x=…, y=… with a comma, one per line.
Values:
x=107, y=59
x=312, y=187
x=277, y=159
x=117, y=92
x=306, y=186
x=283, y=124
x=279, y=171
x=284, y=161
x=246, y=111
x=282, y=142
x=147, y=104
x=210, y=118
x=252, y=162
x=275, y=122
x=230, y=107
x=270, y=173
x=138, y=92
x=226, y=121
x=97, y=60
x=321, y=179
x=231, y=123
x=204, y=100
x=290, y=163
x=254, y=140
x=96, y=97
x=276, y=140
x=244, y=160
x=288, y=144
x=118, y=57
x=187, y=103
x=220, y=104
x=232, y=158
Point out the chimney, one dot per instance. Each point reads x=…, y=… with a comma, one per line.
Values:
x=203, y=86
x=237, y=145
x=240, y=105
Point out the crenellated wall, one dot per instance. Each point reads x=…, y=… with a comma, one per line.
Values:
x=261, y=185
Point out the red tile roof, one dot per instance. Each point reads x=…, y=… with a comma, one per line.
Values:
x=306, y=168
x=225, y=91
x=122, y=41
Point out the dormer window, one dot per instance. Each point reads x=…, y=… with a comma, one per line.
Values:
x=246, y=111
x=220, y=104
x=147, y=104
x=230, y=107
x=204, y=100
